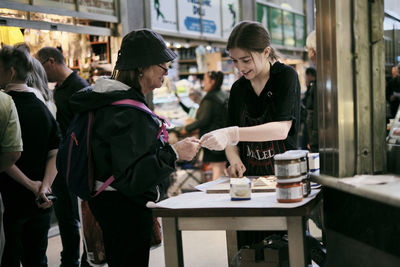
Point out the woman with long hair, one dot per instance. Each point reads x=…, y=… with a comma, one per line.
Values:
x=210, y=116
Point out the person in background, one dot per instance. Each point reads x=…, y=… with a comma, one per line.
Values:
x=311, y=102
x=25, y=184
x=37, y=79
x=195, y=96
x=393, y=93
x=10, y=145
x=66, y=206
x=10, y=133
x=263, y=110
x=127, y=145
x=311, y=77
x=210, y=116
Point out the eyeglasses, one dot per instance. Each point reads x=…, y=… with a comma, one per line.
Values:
x=165, y=69
x=45, y=61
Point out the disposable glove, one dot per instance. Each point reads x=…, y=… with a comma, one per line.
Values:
x=187, y=148
x=236, y=170
x=221, y=138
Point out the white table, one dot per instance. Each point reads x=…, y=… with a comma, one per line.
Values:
x=202, y=212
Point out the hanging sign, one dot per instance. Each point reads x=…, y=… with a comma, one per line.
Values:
x=189, y=16
x=230, y=16
x=211, y=18
x=163, y=15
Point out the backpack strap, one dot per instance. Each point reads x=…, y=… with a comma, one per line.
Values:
x=143, y=107
x=105, y=185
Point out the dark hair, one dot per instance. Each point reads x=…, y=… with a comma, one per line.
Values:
x=128, y=77
x=19, y=59
x=218, y=77
x=311, y=71
x=252, y=37
x=48, y=52
x=23, y=46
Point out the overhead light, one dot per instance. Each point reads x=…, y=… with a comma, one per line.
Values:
x=177, y=45
x=186, y=45
x=208, y=47
x=168, y=44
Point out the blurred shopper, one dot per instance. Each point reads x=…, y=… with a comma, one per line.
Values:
x=66, y=206
x=210, y=116
x=37, y=79
x=311, y=103
x=10, y=133
x=126, y=144
x=10, y=146
x=393, y=93
x=24, y=185
x=311, y=77
x=263, y=110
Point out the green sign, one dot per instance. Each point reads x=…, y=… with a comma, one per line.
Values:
x=286, y=28
x=300, y=30
x=275, y=26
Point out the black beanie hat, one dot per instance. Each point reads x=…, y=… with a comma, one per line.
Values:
x=142, y=48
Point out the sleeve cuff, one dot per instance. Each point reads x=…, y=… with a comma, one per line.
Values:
x=176, y=153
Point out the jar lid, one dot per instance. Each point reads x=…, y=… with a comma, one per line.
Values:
x=287, y=181
x=290, y=155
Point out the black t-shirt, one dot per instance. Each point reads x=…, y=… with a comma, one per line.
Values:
x=62, y=95
x=40, y=134
x=278, y=101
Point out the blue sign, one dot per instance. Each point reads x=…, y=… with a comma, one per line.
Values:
x=193, y=24
x=209, y=26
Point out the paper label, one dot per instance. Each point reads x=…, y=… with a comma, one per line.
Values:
x=290, y=193
x=285, y=170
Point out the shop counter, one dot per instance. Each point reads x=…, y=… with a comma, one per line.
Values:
x=361, y=216
x=201, y=211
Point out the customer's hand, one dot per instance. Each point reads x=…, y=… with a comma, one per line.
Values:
x=221, y=138
x=187, y=148
x=236, y=170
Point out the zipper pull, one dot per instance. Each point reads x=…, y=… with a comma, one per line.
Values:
x=74, y=138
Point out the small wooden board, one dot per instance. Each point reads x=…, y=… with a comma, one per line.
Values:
x=225, y=188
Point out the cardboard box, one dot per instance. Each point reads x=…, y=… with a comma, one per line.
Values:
x=271, y=257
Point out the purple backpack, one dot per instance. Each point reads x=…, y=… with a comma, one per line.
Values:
x=74, y=158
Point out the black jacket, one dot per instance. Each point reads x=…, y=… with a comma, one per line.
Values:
x=212, y=113
x=62, y=95
x=124, y=141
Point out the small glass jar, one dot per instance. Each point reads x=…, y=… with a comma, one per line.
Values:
x=286, y=165
x=306, y=185
x=289, y=190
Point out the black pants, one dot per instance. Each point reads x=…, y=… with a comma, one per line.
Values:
x=126, y=226
x=26, y=240
x=66, y=210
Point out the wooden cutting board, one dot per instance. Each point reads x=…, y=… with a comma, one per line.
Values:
x=225, y=188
